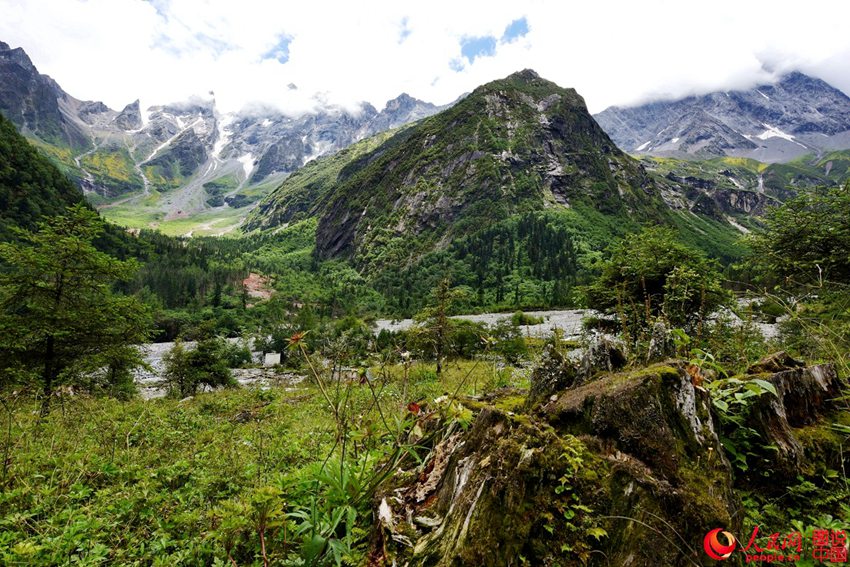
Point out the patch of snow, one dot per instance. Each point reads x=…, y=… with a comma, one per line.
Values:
x=247, y=162
x=774, y=132
x=171, y=139
x=674, y=141
x=223, y=136
x=643, y=146
x=762, y=94
x=180, y=123
x=319, y=149
x=266, y=123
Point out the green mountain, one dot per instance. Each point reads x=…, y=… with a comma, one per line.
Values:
x=513, y=146
x=512, y=193
x=307, y=188
x=30, y=186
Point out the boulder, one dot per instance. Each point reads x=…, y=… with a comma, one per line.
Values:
x=603, y=354
x=552, y=374
x=624, y=469
x=805, y=397
x=604, y=469
x=661, y=344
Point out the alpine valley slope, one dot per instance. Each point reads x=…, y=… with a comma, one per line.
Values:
x=519, y=159
x=30, y=186
x=181, y=161
x=779, y=122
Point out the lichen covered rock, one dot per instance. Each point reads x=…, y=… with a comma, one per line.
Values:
x=661, y=344
x=624, y=469
x=603, y=354
x=554, y=373
x=603, y=468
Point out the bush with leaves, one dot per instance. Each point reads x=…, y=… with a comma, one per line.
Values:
x=205, y=365
x=650, y=275
x=803, y=257
x=806, y=240
x=733, y=399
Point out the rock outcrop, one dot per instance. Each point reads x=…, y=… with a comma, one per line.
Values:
x=787, y=422
x=626, y=469
x=130, y=118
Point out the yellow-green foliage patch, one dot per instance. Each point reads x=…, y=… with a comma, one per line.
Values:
x=111, y=164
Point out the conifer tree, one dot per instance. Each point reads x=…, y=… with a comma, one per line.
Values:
x=60, y=321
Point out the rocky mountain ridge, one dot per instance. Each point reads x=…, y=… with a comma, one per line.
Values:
x=512, y=147
x=778, y=122
x=193, y=154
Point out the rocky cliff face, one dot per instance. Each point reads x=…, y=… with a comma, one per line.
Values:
x=130, y=118
x=31, y=101
x=182, y=157
x=521, y=143
x=772, y=123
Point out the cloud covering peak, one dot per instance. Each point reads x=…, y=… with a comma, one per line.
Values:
x=250, y=52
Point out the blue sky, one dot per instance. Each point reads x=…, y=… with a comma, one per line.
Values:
x=248, y=52
x=485, y=46
x=280, y=51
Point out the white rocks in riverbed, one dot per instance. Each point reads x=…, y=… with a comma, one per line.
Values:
x=151, y=383
x=569, y=321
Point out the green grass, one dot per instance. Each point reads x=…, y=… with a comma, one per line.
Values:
x=148, y=483
x=208, y=223
x=146, y=211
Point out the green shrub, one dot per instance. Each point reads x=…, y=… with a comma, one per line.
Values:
x=650, y=275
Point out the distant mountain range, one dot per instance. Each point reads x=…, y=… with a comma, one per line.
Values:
x=189, y=156
x=514, y=147
x=416, y=176
x=797, y=115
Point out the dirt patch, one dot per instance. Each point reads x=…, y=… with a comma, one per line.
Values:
x=258, y=287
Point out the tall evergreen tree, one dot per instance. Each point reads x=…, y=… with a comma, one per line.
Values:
x=437, y=325
x=60, y=321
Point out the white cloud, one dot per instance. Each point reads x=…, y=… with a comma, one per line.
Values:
x=612, y=52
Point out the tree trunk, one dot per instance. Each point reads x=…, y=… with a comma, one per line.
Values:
x=48, y=375
x=439, y=349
